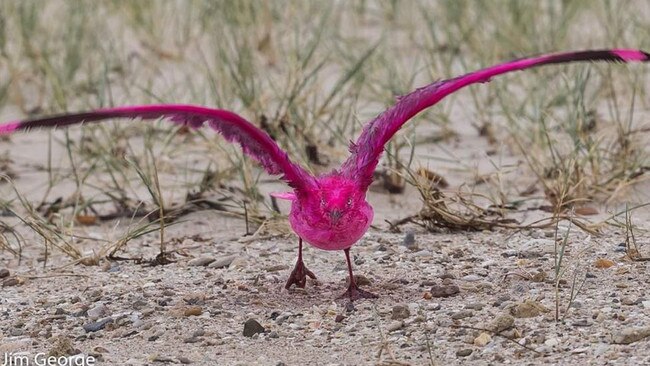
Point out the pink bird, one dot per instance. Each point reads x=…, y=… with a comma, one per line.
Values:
x=330, y=211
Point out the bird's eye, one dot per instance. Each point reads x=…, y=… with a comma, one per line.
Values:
x=349, y=202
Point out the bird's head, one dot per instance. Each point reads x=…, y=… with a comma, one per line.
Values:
x=332, y=214
x=335, y=201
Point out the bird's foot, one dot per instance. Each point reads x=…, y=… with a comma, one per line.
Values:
x=299, y=276
x=355, y=293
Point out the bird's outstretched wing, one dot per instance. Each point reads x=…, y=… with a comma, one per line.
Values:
x=253, y=141
x=365, y=152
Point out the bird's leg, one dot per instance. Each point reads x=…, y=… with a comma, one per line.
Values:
x=354, y=292
x=300, y=272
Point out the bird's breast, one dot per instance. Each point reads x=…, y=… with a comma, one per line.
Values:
x=324, y=235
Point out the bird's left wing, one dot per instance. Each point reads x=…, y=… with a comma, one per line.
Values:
x=253, y=141
x=365, y=152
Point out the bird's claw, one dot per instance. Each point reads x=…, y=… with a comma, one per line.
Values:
x=299, y=276
x=355, y=293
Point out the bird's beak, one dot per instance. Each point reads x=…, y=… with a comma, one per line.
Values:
x=335, y=215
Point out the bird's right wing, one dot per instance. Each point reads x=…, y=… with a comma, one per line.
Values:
x=370, y=145
x=253, y=141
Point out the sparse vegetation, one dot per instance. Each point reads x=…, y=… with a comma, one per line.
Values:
x=528, y=151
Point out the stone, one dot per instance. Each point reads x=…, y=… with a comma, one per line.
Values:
x=628, y=301
x=464, y=352
x=200, y=261
x=444, y=290
x=482, y=340
x=11, y=281
x=551, y=342
x=409, y=241
x=475, y=306
x=223, y=262
x=537, y=247
x=501, y=323
x=462, y=315
x=252, y=327
x=528, y=309
x=400, y=312
x=97, y=326
x=184, y=360
x=395, y=325
x=193, y=311
x=471, y=278
x=97, y=312
x=631, y=335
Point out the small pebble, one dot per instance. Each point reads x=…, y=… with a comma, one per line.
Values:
x=11, y=281
x=361, y=280
x=193, y=311
x=409, y=241
x=349, y=307
x=581, y=323
x=184, y=360
x=97, y=312
x=97, y=326
x=462, y=315
x=551, y=342
x=482, y=340
x=4, y=273
x=475, y=306
x=471, y=278
x=510, y=253
x=139, y=304
x=252, y=327
x=576, y=351
x=222, y=262
x=444, y=290
x=631, y=335
x=446, y=275
x=628, y=301
x=200, y=261
x=489, y=263
x=528, y=309
x=395, y=325
x=501, y=323
x=464, y=352
x=400, y=312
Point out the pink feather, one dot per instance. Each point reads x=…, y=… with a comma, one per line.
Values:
x=370, y=145
x=253, y=141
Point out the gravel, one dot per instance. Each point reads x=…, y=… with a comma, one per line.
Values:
x=223, y=316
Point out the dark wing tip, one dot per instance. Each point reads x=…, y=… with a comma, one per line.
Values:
x=628, y=55
x=612, y=55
